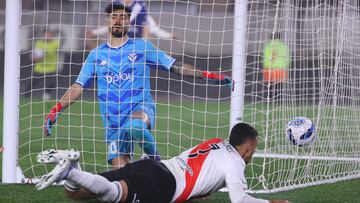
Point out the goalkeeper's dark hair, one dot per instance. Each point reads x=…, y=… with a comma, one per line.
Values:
x=241, y=133
x=117, y=6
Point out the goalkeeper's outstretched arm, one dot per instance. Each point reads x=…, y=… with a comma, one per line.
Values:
x=70, y=96
x=188, y=70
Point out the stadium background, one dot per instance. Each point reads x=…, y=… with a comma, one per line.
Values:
x=200, y=39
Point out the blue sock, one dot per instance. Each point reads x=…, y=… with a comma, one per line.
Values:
x=138, y=131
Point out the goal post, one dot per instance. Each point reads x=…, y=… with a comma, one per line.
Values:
x=239, y=61
x=11, y=91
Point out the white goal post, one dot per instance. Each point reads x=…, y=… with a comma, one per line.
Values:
x=289, y=58
x=11, y=93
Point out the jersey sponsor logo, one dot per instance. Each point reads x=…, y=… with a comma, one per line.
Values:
x=196, y=159
x=113, y=78
x=132, y=57
x=184, y=166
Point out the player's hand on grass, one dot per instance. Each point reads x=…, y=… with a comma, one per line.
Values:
x=51, y=118
x=220, y=79
x=1, y=149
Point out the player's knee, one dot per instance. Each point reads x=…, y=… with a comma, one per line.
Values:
x=135, y=128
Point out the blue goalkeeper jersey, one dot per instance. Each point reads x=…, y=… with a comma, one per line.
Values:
x=123, y=77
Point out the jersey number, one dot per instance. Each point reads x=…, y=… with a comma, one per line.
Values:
x=204, y=150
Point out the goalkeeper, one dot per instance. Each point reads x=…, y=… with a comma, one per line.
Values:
x=197, y=172
x=121, y=67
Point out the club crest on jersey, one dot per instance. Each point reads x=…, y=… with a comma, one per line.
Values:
x=132, y=57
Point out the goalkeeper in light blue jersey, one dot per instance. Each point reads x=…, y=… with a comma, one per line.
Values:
x=121, y=67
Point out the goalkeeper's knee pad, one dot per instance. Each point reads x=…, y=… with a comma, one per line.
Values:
x=136, y=128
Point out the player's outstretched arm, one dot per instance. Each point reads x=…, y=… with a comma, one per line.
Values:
x=70, y=96
x=188, y=70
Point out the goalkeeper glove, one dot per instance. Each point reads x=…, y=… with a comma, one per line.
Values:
x=220, y=79
x=51, y=118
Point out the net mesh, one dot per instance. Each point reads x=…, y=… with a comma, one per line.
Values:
x=313, y=72
x=188, y=110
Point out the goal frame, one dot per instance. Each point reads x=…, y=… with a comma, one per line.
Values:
x=11, y=173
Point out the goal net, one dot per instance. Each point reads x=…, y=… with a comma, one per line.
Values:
x=302, y=60
x=314, y=73
x=188, y=110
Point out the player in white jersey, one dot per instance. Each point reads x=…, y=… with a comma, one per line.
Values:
x=195, y=173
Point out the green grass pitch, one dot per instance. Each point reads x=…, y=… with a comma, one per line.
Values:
x=76, y=130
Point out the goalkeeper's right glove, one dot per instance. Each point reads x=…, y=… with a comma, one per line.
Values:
x=51, y=118
x=220, y=79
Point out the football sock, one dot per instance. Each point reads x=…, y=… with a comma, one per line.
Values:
x=70, y=185
x=105, y=190
x=137, y=130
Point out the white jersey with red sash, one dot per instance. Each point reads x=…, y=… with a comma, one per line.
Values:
x=205, y=169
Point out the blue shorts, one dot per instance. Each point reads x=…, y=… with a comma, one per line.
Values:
x=117, y=139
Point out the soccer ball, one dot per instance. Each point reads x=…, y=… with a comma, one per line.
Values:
x=300, y=131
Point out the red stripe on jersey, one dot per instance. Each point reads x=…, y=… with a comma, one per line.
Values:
x=196, y=160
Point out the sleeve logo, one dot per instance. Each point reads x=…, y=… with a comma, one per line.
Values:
x=100, y=62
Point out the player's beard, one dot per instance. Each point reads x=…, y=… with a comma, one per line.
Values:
x=118, y=32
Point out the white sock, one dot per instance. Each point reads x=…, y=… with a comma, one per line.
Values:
x=105, y=190
x=70, y=185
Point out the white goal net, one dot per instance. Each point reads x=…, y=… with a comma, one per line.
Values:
x=188, y=110
x=313, y=72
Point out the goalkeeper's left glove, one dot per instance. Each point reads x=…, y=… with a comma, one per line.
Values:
x=51, y=118
x=220, y=79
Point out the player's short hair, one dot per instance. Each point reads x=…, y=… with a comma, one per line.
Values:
x=117, y=6
x=241, y=133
